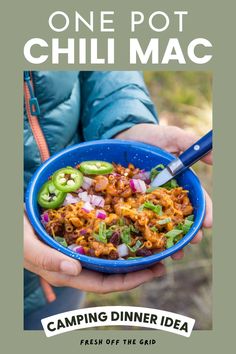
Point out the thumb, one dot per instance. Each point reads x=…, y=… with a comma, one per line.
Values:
x=44, y=257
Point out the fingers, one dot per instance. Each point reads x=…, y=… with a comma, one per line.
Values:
x=197, y=238
x=184, y=139
x=209, y=211
x=178, y=255
x=208, y=158
x=102, y=283
x=51, y=260
x=46, y=258
x=170, y=138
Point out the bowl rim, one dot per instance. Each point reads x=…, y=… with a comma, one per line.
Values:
x=42, y=234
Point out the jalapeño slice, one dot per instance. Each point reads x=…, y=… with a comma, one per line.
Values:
x=95, y=167
x=67, y=179
x=49, y=197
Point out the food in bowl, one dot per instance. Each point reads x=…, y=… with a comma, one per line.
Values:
x=109, y=211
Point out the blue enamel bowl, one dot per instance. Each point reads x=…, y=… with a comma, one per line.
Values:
x=141, y=155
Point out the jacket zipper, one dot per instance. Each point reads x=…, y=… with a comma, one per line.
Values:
x=33, y=110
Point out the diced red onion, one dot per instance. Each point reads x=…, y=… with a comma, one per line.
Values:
x=137, y=185
x=87, y=182
x=146, y=175
x=142, y=175
x=79, y=249
x=87, y=207
x=131, y=183
x=97, y=200
x=84, y=196
x=76, y=248
x=141, y=186
x=123, y=250
x=101, y=214
x=44, y=218
x=70, y=199
x=83, y=232
x=79, y=190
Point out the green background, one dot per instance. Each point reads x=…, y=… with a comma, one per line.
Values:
x=27, y=19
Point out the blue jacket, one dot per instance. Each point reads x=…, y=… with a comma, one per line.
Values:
x=75, y=107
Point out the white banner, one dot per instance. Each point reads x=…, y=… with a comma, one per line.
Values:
x=118, y=316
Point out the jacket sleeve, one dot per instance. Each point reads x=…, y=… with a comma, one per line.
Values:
x=113, y=101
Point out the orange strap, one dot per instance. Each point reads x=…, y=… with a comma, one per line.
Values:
x=44, y=153
x=35, y=127
x=47, y=290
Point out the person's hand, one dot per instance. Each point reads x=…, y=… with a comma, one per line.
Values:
x=59, y=270
x=173, y=140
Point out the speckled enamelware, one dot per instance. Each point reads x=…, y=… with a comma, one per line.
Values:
x=141, y=155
